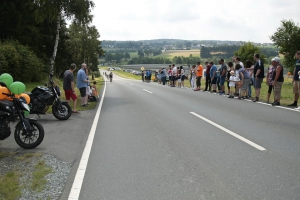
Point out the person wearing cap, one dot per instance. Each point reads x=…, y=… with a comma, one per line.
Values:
x=296, y=83
x=278, y=79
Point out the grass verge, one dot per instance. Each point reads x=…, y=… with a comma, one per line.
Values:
x=9, y=186
x=39, y=181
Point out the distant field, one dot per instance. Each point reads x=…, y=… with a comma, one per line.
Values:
x=172, y=53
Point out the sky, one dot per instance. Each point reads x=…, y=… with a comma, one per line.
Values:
x=236, y=20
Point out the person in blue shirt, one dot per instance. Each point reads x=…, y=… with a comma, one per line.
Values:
x=213, y=75
x=81, y=83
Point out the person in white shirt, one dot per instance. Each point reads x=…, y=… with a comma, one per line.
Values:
x=232, y=80
x=174, y=77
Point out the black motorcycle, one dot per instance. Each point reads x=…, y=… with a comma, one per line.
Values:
x=41, y=98
x=28, y=132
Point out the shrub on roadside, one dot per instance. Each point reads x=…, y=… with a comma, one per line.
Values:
x=19, y=61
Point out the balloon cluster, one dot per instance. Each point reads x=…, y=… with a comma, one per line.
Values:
x=17, y=88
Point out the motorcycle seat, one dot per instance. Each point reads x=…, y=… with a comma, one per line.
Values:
x=5, y=102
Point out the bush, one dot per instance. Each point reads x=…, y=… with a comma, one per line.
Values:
x=96, y=74
x=20, y=62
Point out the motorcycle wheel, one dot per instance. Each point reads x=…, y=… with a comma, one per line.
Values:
x=64, y=113
x=29, y=140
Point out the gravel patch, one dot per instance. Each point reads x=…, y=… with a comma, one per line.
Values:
x=56, y=180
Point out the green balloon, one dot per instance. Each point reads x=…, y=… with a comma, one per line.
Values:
x=7, y=79
x=17, y=87
x=26, y=113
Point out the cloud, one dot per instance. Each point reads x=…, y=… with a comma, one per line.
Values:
x=237, y=20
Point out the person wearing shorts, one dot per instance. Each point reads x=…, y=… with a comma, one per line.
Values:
x=278, y=79
x=259, y=75
x=213, y=72
x=81, y=83
x=69, y=86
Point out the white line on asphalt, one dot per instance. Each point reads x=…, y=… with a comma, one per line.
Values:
x=267, y=104
x=230, y=132
x=147, y=91
x=76, y=187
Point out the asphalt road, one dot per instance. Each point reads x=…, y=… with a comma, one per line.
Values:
x=157, y=142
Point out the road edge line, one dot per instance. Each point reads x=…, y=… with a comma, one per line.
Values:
x=79, y=177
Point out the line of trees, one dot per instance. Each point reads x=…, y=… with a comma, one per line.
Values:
x=39, y=28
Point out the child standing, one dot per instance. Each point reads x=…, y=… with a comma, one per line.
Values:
x=232, y=81
x=193, y=77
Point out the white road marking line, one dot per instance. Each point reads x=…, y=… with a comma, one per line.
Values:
x=264, y=103
x=147, y=91
x=77, y=184
x=230, y=132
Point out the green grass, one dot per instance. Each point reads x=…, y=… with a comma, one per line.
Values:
x=9, y=186
x=39, y=181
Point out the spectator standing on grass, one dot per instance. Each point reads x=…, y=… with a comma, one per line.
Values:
x=223, y=76
x=199, y=76
x=259, y=75
x=230, y=68
x=143, y=76
x=163, y=76
x=207, y=78
x=81, y=83
x=88, y=88
x=269, y=79
x=170, y=74
x=69, y=87
x=174, y=75
x=296, y=85
x=193, y=77
x=277, y=79
x=213, y=75
x=182, y=75
x=231, y=81
x=250, y=68
x=238, y=61
x=244, y=81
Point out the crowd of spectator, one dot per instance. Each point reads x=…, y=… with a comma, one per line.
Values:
x=240, y=78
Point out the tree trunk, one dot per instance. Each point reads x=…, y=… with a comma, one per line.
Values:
x=52, y=59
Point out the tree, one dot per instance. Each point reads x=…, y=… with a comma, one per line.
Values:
x=287, y=38
x=56, y=10
x=247, y=51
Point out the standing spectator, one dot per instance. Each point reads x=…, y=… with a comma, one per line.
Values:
x=213, y=75
x=199, y=76
x=170, y=74
x=277, y=80
x=244, y=79
x=207, y=78
x=150, y=75
x=81, y=83
x=231, y=81
x=163, y=76
x=174, y=75
x=88, y=88
x=250, y=68
x=143, y=76
x=259, y=75
x=269, y=80
x=238, y=61
x=222, y=76
x=296, y=85
x=182, y=75
x=69, y=86
x=193, y=77
x=230, y=65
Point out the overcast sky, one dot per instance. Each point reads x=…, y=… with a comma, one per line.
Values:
x=238, y=20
